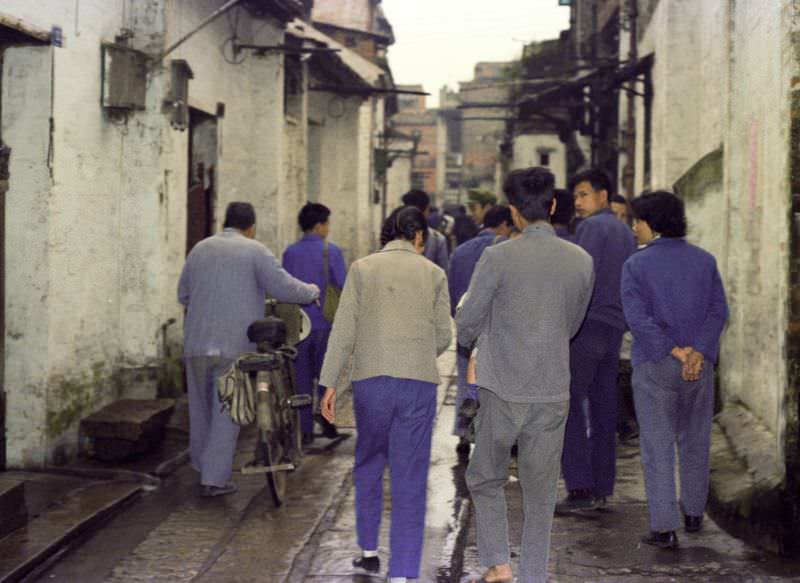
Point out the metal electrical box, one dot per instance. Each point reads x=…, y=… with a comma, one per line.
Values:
x=124, y=78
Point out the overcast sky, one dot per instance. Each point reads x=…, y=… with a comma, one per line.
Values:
x=438, y=42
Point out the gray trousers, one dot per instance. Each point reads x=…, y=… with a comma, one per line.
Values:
x=538, y=430
x=212, y=432
x=673, y=412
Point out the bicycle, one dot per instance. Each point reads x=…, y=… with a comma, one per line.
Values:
x=279, y=445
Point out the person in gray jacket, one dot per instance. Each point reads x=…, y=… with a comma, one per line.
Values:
x=223, y=285
x=393, y=321
x=527, y=298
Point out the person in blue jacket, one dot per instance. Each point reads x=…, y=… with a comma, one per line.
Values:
x=589, y=458
x=497, y=223
x=565, y=212
x=675, y=306
x=305, y=260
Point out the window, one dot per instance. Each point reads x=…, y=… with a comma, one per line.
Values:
x=544, y=158
x=418, y=181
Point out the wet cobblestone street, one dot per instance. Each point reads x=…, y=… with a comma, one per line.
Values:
x=174, y=535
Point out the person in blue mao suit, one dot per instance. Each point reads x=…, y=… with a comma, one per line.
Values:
x=675, y=306
x=305, y=260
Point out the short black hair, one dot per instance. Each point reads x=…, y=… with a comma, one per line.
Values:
x=239, y=215
x=565, y=207
x=313, y=214
x=617, y=198
x=404, y=223
x=496, y=216
x=662, y=211
x=531, y=191
x=417, y=198
x=598, y=178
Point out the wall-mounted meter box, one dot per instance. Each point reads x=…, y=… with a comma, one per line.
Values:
x=124, y=78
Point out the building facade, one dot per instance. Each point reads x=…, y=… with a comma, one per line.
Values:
x=127, y=127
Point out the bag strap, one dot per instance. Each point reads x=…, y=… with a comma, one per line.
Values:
x=325, y=262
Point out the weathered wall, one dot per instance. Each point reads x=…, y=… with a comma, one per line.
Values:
x=529, y=147
x=720, y=131
x=25, y=128
x=113, y=229
x=336, y=123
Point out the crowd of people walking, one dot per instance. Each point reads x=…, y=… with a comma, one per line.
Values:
x=543, y=292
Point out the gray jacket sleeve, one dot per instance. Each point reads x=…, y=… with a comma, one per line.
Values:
x=442, y=259
x=444, y=329
x=471, y=318
x=343, y=335
x=278, y=283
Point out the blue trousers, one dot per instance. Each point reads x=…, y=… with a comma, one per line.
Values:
x=589, y=458
x=394, y=419
x=307, y=367
x=673, y=412
x=212, y=432
x=464, y=390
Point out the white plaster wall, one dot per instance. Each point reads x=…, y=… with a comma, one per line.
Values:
x=112, y=232
x=338, y=165
x=25, y=128
x=759, y=197
x=399, y=177
x=722, y=79
x=251, y=140
x=526, y=154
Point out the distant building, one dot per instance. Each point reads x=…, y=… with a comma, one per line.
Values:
x=415, y=120
x=485, y=102
x=359, y=25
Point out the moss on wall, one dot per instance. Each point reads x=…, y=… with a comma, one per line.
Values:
x=72, y=398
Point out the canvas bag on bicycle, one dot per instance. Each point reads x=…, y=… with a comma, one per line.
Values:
x=237, y=394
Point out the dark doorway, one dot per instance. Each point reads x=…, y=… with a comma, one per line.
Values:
x=201, y=197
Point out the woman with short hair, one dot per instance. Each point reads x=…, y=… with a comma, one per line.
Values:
x=675, y=307
x=393, y=321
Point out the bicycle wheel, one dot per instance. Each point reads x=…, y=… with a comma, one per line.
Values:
x=270, y=452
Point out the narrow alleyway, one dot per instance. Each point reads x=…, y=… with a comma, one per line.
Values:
x=174, y=535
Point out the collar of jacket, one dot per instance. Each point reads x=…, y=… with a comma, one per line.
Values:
x=540, y=227
x=399, y=245
x=231, y=232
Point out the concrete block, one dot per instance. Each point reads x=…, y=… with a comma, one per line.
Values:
x=127, y=427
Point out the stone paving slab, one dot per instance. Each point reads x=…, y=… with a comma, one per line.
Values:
x=604, y=546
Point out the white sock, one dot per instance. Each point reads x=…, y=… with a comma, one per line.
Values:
x=398, y=580
x=369, y=554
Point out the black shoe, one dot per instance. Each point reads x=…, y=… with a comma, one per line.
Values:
x=468, y=409
x=692, y=523
x=329, y=430
x=308, y=438
x=662, y=540
x=576, y=500
x=368, y=564
x=600, y=503
x=212, y=491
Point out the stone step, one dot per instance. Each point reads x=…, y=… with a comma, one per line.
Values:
x=79, y=511
x=127, y=427
x=13, y=512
